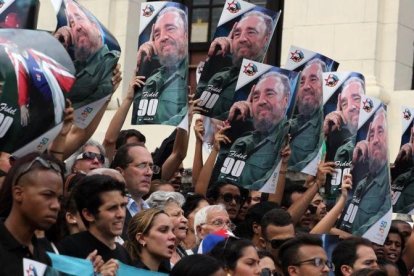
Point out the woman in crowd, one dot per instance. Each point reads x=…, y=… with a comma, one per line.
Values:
x=193, y=203
x=170, y=203
x=151, y=241
x=239, y=257
x=393, y=248
x=90, y=156
x=267, y=263
x=196, y=265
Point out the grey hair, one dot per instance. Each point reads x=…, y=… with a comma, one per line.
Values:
x=160, y=199
x=281, y=77
x=71, y=161
x=180, y=12
x=318, y=61
x=266, y=19
x=352, y=80
x=201, y=216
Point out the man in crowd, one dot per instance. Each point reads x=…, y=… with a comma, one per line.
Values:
x=259, y=151
x=248, y=39
x=341, y=126
x=30, y=201
x=303, y=256
x=277, y=227
x=100, y=199
x=372, y=194
x=306, y=126
x=135, y=164
x=167, y=84
x=352, y=255
x=94, y=62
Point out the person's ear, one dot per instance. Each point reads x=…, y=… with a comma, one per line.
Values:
x=257, y=229
x=346, y=270
x=262, y=242
x=17, y=193
x=70, y=218
x=121, y=170
x=293, y=270
x=140, y=238
x=88, y=216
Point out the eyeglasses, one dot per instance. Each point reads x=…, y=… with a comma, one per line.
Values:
x=47, y=164
x=276, y=243
x=318, y=262
x=91, y=156
x=221, y=224
x=154, y=168
x=228, y=198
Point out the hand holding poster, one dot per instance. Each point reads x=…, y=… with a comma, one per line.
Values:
x=369, y=212
x=244, y=31
x=94, y=52
x=306, y=123
x=35, y=73
x=254, y=158
x=403, y=172
x=162, y=59
x=342, y=92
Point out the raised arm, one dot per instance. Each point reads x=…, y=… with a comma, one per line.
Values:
x=198, y=152
x=326, y=223
x=205, y=173
x=299, y=207
x=118, y=120
x=280, y=187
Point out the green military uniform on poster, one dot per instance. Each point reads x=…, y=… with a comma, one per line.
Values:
x=93, y=77
x=373, y=195
x=306, y=139
x=344, y=153
x=259, y=152
x=404, y=186
x=222, y=84
x=165, y=87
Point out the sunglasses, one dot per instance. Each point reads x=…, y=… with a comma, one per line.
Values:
x=47, y=164
x=228, y=198
x=87, y=155
x=276, y=243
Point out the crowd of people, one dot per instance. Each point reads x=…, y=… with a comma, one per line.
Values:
x=117, y=202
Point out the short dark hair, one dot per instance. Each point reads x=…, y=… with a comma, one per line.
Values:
x=125, y=134
x=88, y=192
x=191, y=203
x=289, y=190
x=122, y=158
x=6, y=198
x=369, y=272
x=229, y=251
x=288, y=252
x=254, y=215
x=345, y=252
x=277, y=217
x=196, y=265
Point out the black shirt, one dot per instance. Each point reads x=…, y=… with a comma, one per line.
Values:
x=164, y=267
x=12, y=253
x=80, y=245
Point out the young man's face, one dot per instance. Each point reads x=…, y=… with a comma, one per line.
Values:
x=306, y=254
x=366, y=258
x=111, y=214
x=278, y=234
x=39, y=197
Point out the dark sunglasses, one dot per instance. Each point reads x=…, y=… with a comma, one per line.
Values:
x=267, y=272
x=91, y=156
x=47, y=164
x=228, y=198
x=276, y=243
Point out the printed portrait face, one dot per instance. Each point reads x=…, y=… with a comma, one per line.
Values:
x=85, y=33
x=170, y=38
x=350, y=103
x=377, y=142
x=249, y=39
x=269, y=102
x=310, y=89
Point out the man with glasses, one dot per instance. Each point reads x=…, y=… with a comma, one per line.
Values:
x=30, y=200
x=90, y=156
x=210, y=219
x=304, y=255
x=352, y=255
x=135, y=164
x=277, y=228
